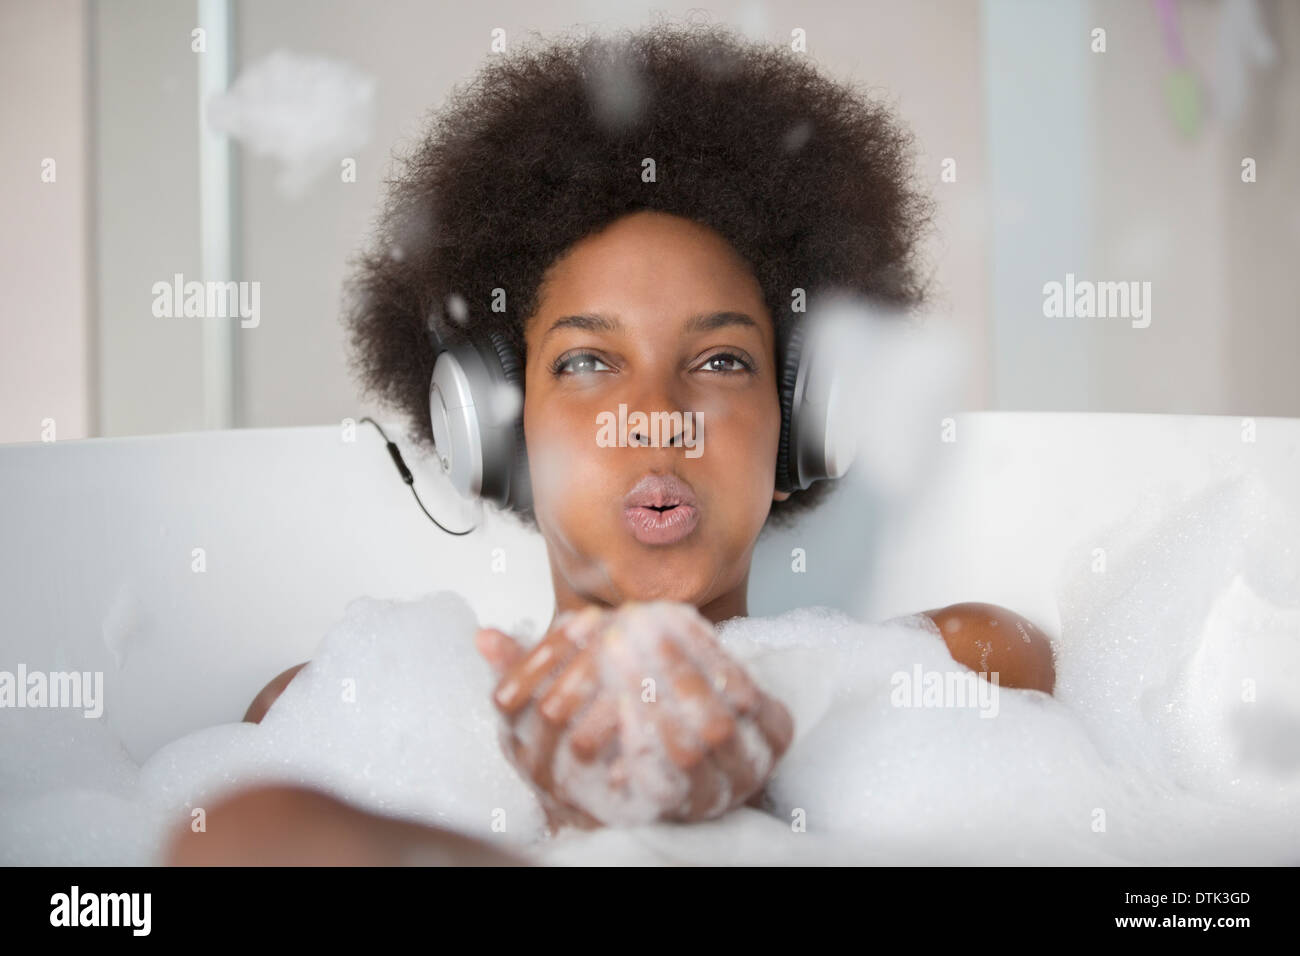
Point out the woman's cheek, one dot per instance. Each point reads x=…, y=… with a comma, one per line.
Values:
x=550, y=462
x=741, y=445
x=566, y=467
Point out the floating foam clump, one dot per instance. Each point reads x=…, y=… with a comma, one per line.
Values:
x=308, y=112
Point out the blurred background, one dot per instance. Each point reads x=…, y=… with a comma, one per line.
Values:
x=1115, y=140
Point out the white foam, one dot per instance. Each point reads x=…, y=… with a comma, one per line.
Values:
x=1182, y=655
x=67, y=789
x=392, y=714
x=1149, y=752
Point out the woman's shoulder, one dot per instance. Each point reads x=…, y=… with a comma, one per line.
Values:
x=270, y=693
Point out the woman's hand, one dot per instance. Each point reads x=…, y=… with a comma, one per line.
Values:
x=634, y=715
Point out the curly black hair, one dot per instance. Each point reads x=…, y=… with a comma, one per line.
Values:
x=807, y=179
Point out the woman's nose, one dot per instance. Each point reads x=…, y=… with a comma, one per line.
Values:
x=669, y=434
x=667, y=421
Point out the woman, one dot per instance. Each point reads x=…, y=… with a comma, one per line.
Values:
x=636, y=221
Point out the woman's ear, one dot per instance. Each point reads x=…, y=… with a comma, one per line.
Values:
x=780, y=495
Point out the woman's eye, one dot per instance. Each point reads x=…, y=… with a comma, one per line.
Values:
x=581, y=363
x=580, y=358
x=740, y=364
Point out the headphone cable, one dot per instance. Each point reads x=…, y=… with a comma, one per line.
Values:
x=409, y=478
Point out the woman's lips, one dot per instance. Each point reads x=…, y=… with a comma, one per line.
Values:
x=661, y=527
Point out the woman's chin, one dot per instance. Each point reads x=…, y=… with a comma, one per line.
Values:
x=661, y=589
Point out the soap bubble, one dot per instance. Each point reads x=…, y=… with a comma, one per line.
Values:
x=506, y=402
x=615, y=87
x=796, y=136
x=457, y=308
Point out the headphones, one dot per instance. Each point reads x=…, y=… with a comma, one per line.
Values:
x=482, y=452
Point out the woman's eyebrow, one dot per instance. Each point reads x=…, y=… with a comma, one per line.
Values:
x=593, y=322
x=704, y=322
x=718, y=320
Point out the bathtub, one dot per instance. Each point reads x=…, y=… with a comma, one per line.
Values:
x=191, y=568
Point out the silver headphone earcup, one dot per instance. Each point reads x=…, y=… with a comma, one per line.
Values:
x=456, y=438
x=473, y=448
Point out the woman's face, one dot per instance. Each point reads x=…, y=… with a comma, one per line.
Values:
x=658, y=314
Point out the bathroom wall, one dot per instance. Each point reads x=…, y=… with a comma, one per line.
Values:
x=46, y=313
x=1091, y=174
x=146, y=187
x=1171, y=208
x=1066, y=160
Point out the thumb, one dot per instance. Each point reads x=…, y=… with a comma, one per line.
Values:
x=498, y=648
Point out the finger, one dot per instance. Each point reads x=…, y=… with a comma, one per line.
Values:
x=776, y=725
x=745, y=759
x=582, y=625
x=499, y=649
x=595, y=727
x=709, y=715
x=649, y=725
x=710, y=792
x=594, y=730
x=528, y=675
x=572, y=690
x=681, y=743
x=571, y=630
x=728, y=677
x=533, y=742
x=694, y=720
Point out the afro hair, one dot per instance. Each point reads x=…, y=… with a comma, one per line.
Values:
x=808, y=180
